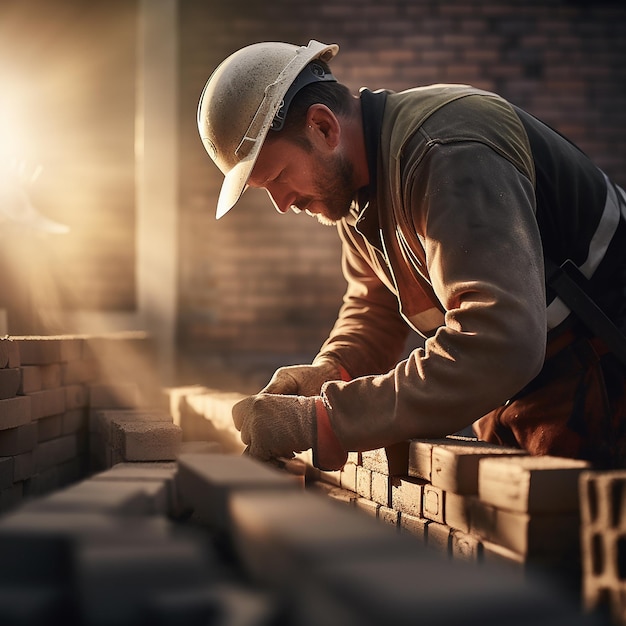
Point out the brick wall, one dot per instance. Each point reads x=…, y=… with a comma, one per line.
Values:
x=259, y=289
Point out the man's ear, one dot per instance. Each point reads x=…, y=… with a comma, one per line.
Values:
x=324, y=124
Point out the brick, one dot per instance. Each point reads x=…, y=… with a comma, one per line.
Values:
x=18, y=440
x=407, y=494
x=47, y=402
x=9, y=353
x=535, y=536
x=413, y=525
x=145, y=441
x=420, y=454
x=338, y=494
x=207, y=482
x=15, y=412
x=392, y=460
x=433, y=504
x=54, y=452
x=438, y=538
x=74, y=420
x=455, y=468
x=388, y=516
x=6, y=472
x=79, y=372
x=41, y=549
x=36, y=350
x=464, y=546
x=364, y=482
x=142, y=577
x=11, y=497
x=51, y=376
x=458, y=511
x=100, y=421
x=23, y=466
x=347, y=477
x=76, y=397
x=331, y=477
x=541, y=484
x=282, y=536
x=381, y=488
x=31, y=379
x=367, y=506
x=115, y=498
x=49, y=427
x=10, y=379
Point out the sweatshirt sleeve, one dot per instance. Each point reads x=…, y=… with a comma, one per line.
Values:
x=370, y=334
x=474, y=212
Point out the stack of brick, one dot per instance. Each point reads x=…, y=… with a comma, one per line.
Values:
x=471, y=500
x=205, y=414
x=49, y=388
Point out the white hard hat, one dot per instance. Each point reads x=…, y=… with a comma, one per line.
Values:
x=240, y=102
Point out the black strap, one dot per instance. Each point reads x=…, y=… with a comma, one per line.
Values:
x=569, y=284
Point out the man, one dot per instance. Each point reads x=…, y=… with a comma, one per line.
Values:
x=455, y=211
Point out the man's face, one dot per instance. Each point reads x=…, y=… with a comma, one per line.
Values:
x=305, y=179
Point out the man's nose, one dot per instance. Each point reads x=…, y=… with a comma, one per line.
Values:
x=280, y=203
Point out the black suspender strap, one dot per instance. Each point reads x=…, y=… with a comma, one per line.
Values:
x=568, y=282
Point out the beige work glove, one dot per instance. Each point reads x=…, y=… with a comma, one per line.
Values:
x=276, y=426
x=303, y=380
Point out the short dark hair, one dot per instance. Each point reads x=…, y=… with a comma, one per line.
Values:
x=336, y=96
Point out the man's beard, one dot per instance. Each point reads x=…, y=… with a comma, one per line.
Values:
x=335, y=188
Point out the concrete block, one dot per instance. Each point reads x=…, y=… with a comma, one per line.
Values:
x=280, y=536
x=535, y=536
x=433, y=504
x=207, y=482
x=51, y=376
x=10, y=379
x=347, y=477
x=414, y=526
x=18, y=440
x=407, y=494
x=100, y=420
x=392, y=460
x=420, y=454
x=136, y=577
x=15, y=412
x=344, y=496
x=202, y=447
x=438, y=538
x=47, y=454
x=41, y=548
x=455, y=467
x=23, y=466
x=458, y=511
x=465, y=546
x=9, y=353
x=533, y=484
x=145, y=441
x=6, y=472
x=367, y=506
x=113, y=498
x=43, y=350
x=381, y=488
x=331, y=477
x=47, y=402
x=388, y=516
x=49, y=427
x=75, y=420
x=387, y=590
x=364, y=482
x=31, y=379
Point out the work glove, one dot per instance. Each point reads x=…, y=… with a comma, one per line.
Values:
x=304, y=380
x=275, y=426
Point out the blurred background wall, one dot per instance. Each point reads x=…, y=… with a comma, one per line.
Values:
x=108, y=90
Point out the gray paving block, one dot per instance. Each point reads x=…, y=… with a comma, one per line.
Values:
x=206, y=483
x=280, y=535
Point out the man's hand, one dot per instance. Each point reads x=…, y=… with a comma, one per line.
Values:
x=275, y=426
x=302, y=380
